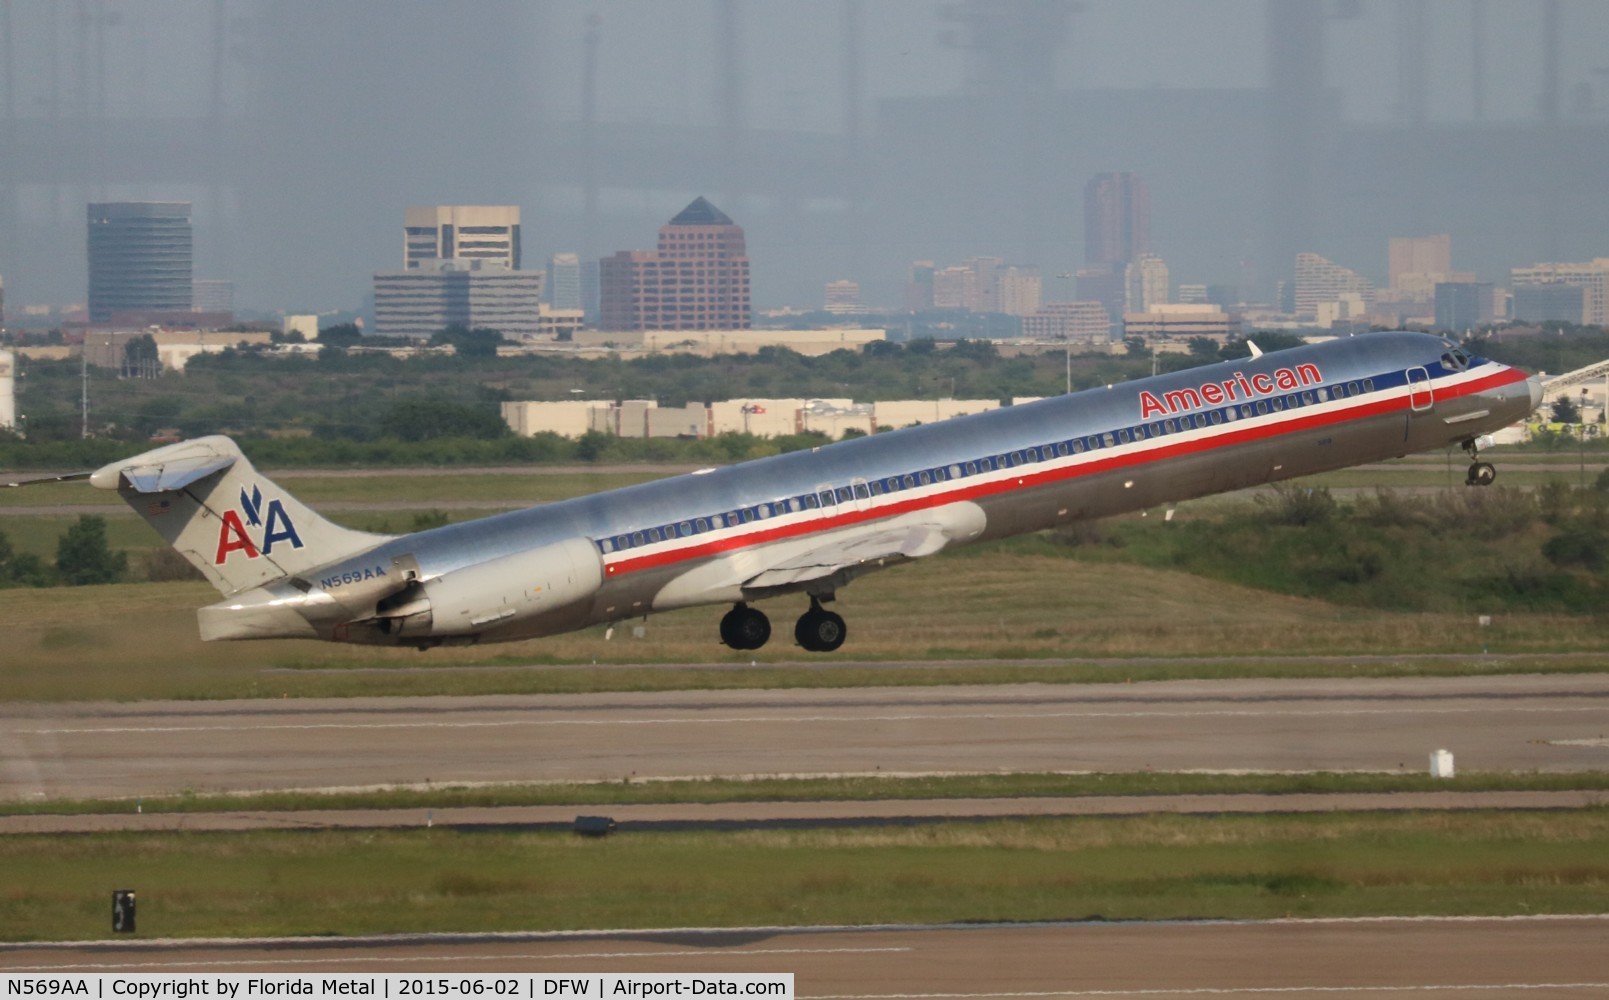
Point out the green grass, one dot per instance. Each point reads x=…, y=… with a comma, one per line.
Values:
x=857, y=789
x=1153, y=867
x=1051, y=617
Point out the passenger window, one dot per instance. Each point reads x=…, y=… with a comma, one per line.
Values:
x=1368, y=385
x=1351, y=388
x=1262, y=406
x=877, y=487
x=810, y=501
x=924, y=477
x=763, y=511
x=1124, y=436
x=827, y=498
x=1062, y=448
x=844, y=495
x=1309, y=398
x=1108, y=439
x=1278, y=403
x=606, y=545
x=685, y=528
x=702, y=524
x=1323, y=394
x=972, y=468
x=747, y=515
x=1171, y=425
x=1217, y=416
x=910, y=482
x=1156, y=429
x=861, y=492
x=1078, y=446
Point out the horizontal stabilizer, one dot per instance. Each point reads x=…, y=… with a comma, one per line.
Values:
x=167, y=469
x=66, y=477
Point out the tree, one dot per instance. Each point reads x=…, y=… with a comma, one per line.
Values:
x=340, y=335
x=83, y=557
x=1565, y=411
x=477, y=343
x=21, y=569
x=421, y=418
x=140, y=358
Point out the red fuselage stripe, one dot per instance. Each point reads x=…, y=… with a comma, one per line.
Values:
x=1229, y=437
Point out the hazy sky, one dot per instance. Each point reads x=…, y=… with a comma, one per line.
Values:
x=302, y=128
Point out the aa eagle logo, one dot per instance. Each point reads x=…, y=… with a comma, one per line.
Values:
x=275, y=526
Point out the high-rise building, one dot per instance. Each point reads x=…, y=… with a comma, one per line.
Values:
x=8, y=391
x=564, y=281
x=1430, y=258
x=1075, y=321
x=1018, y=291
x=843, y=298
x=1463, y=305
x=955, y=287
x=698, y=279
x=212, y=295
x=139, y=258
x=1117, y=219
x=1145, y=283
x=1321, y=280
x=466, y=232
x=1104, y=284
x=1592, y=277
x=442, y=293
x=919, y=287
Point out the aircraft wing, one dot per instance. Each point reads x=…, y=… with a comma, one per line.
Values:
x=789, y=563
x=916, y=537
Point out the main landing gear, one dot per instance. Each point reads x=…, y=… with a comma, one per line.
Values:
x=818, y=630
x=1480, y=473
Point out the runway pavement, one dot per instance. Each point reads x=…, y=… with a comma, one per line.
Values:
x=1536, y=957
x=81, y=750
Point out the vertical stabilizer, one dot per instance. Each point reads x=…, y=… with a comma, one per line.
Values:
x=237, y=526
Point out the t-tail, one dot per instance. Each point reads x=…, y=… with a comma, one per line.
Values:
x=231, y=522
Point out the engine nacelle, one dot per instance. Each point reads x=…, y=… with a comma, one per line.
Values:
x=495, y=592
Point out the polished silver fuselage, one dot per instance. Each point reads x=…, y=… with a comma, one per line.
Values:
x=740, y=532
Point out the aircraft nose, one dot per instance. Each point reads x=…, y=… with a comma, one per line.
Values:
x=1535, y=385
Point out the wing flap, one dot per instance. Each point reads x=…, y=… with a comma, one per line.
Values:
x=795, y=561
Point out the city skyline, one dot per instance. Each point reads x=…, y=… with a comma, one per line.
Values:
x=851, y=140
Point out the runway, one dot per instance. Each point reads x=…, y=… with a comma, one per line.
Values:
x=84, y=750
x=1551, y=957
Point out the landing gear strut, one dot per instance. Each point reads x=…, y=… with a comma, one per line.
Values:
x=819, y=630
x=745, y=628
x=1480, y=473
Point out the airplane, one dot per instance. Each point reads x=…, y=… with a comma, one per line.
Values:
x=809, y=522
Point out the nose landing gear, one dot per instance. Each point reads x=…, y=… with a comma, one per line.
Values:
x=1480, y=473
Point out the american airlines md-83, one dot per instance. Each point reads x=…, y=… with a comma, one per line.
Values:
x=809, y=522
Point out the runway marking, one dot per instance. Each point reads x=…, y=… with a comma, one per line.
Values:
x=1208, y=991
x=796, y=719
x=403, y=959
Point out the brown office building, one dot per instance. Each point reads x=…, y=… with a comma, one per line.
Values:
x=698, y=279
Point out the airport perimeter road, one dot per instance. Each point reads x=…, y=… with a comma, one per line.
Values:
x=80, y=750
x=1549, y=958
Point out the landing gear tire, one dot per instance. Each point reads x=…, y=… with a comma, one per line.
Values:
x=745, y=628
x=1481, y=474
x=820, y=631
